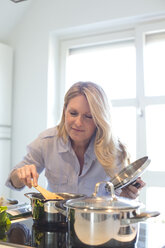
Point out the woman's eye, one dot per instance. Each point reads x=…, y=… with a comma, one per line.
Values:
x=88, y=116
x=73, y=113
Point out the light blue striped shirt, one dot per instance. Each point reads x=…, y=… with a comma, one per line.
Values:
x=61, y=165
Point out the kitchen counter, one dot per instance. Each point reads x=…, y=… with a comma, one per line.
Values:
x=24, y=233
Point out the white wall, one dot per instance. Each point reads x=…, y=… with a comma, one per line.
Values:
x=6, y=56
x=30, y=41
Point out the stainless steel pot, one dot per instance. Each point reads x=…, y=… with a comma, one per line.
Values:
x=109, y=221
x=44, y=211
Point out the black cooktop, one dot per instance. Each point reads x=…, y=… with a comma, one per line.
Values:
x=42, y=236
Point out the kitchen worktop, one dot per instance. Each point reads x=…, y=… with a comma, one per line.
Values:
x=24, y=233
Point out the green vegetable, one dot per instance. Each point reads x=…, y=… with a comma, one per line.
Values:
x=38, y=211
x=4, y=218
x=4, y=223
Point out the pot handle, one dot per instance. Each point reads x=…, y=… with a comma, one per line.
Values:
x=110, y=185
x=27, y=195
x=59, y=205
x=139, y=218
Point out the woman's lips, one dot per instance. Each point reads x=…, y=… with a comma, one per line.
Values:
x=77, y=130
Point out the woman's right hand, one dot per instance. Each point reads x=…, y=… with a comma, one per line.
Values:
x=24, y=176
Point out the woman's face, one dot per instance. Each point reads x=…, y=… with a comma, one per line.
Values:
x=78, y=120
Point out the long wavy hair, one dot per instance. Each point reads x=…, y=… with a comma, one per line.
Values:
x=108, y=149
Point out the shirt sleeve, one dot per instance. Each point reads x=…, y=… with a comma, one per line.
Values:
x=33, y=156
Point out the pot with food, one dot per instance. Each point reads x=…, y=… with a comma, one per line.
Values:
x=45, y=212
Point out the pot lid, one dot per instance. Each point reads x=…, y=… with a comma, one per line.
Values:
x=130, y=173
x=102, y=203
x=111, y=202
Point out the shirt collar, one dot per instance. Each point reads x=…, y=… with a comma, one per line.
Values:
x=66, y=147
x=62, y=146
x=90, y=150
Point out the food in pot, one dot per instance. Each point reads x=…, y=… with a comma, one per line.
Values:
x=45, y=212
x=38, y=209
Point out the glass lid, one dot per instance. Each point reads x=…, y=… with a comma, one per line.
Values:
x=111, y=202
x=97, y=203
x=130, y=173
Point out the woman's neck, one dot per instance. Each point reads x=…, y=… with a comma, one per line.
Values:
x=79, y=147
x=79, y=150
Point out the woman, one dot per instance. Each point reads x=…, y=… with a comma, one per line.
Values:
x=80, y=151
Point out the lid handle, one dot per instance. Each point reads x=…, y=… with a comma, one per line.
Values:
x=111, y=186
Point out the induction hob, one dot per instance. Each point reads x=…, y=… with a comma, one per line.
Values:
x=24, y=232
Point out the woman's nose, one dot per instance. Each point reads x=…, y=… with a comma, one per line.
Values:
x=79, y=120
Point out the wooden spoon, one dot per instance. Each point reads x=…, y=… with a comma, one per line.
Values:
x=47, y=194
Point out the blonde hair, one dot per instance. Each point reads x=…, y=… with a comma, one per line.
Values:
x=107, y=149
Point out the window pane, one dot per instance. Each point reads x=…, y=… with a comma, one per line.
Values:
x=124, y=124
x=155, y=124
x=113, y=66
x=155, y=201
x=154, y=65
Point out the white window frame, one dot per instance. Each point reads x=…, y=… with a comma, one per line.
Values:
x=63, y=40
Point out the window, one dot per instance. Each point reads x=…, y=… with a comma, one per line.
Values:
x=154, y=76
x=113, y=66
x=129, y=64
x=102, y=64
x=154, y=64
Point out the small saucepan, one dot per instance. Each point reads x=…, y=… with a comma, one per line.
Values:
x=44, y=211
